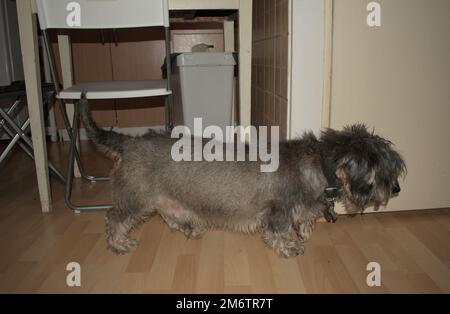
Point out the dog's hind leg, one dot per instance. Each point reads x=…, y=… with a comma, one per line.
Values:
x=277, y=233
x=120, y=221
x=118, y=225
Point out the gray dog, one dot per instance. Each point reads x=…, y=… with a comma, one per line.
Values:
x=193, y=197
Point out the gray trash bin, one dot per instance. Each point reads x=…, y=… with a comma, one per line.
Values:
x=202, y=86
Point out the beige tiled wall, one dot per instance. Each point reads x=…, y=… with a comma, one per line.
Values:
x=270, y=63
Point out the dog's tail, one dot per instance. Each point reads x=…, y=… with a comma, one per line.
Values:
x=109, y=142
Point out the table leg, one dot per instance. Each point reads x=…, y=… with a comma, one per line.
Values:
x=30, y=58
x=245, y=61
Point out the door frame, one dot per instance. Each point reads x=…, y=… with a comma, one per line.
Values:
x=310, y=65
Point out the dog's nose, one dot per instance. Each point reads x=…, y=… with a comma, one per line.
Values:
x=396, y=188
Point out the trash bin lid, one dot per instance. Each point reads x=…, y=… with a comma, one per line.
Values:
x=205, y=59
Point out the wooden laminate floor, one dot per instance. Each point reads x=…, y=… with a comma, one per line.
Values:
x=412, y=248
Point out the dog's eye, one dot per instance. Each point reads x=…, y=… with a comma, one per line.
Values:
x=362, y=188
x=368, y=188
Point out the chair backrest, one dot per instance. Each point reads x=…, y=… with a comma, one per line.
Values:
x=102, y=13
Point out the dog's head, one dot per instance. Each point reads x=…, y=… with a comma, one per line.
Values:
x=366, y=164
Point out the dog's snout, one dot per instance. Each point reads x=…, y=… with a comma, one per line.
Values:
x=396, y=188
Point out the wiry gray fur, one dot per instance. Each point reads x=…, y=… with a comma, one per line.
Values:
x=193, y=197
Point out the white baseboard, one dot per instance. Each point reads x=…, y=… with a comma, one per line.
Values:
x=134, y=131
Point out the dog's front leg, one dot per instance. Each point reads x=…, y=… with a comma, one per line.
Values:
x=277, y=233
x=305, y=229
x=305, y=220
x=328, y=199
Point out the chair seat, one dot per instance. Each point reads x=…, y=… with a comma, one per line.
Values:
x=116, y=89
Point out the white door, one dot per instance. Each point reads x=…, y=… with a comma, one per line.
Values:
x=396, y=78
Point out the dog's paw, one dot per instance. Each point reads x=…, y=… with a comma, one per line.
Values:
x=192, y=232
x=304, y=230
x=122, y=246
x=290, y=249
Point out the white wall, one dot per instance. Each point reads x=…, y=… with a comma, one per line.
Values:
x=307, y=79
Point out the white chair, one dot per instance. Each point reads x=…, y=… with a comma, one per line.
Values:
x=101, y=14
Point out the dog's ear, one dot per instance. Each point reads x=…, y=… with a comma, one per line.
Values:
x=356, y=179
x=340, y=173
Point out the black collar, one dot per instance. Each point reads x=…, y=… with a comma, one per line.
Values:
x=329, y=170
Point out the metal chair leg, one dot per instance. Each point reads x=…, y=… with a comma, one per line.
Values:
x=168, y=113
x=168, y=102
x=20, y=134
x=77, y=154
x=68, y=190
x=72, y=132
x=28, y=150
